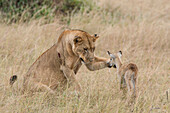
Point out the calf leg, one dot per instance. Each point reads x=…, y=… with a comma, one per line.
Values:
x=127, y=82
x=133, y=81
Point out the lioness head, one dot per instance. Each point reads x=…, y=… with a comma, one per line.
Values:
x=84, y=46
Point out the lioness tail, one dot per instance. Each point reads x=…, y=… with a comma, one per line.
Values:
x=12, y=79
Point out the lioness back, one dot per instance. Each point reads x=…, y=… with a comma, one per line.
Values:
x=46, y=69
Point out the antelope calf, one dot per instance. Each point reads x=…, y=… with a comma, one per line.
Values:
x=127, y=73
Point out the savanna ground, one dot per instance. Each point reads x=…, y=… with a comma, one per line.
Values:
x=140, y=28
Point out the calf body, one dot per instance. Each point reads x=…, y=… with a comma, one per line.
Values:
x=127, y=73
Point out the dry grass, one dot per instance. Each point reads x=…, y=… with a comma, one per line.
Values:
x=140, y=28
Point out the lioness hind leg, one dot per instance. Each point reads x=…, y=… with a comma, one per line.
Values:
x=40, y=86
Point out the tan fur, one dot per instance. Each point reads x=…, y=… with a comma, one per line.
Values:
x=58, y=65
x=127, y=73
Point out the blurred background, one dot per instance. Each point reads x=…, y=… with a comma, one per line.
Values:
x=139, y=28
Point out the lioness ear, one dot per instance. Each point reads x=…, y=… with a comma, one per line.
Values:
x=77, y=39
x=95, y=37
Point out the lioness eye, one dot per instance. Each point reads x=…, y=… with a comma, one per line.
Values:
x=85, y=49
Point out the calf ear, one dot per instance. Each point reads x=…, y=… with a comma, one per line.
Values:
x=77, y=40
x=111, y=55
x=119, y=53
x=95, y=37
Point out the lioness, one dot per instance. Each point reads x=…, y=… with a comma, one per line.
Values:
x=58, y=65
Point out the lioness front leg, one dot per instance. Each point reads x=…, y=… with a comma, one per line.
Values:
x=70, y=75
x=99, y=63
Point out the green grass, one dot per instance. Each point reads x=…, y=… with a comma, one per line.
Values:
x=17, y=11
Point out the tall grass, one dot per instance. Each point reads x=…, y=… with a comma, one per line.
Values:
x=141, y=29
